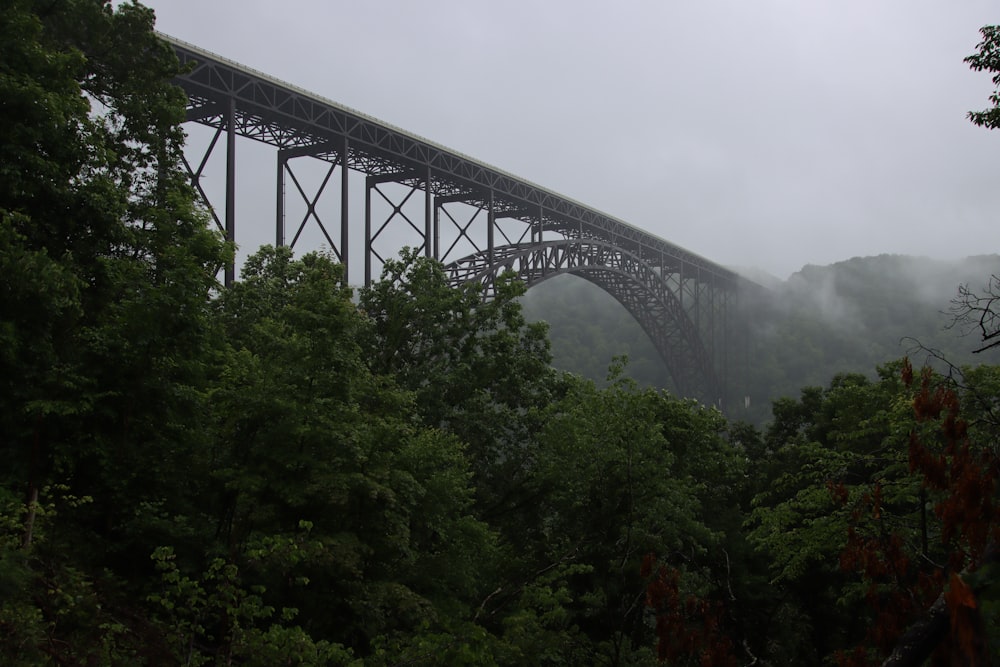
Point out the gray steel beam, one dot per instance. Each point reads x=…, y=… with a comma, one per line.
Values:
x=345, y=218
x=231, y=185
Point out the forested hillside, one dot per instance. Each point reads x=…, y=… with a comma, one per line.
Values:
x=289, y=472
x=853, y=315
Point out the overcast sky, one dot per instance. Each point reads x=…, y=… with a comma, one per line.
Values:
x=765, y=133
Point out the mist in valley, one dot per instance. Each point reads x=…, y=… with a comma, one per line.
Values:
x=847, y=317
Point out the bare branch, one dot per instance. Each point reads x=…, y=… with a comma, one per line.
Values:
x=972, y=311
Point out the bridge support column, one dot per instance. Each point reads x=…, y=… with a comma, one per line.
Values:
x=428, y=213
x=279, y=215
x=491, y=222
x=230, y=185
x=368, y=231
x=345, y=209
x=436, y=232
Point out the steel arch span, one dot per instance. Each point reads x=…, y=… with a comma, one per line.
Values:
x=472, y=217
x=635, y=284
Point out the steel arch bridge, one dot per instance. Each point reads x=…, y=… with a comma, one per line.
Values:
x=477, y=220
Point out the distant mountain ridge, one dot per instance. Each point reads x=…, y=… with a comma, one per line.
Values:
x=759, y=276
x=968, y=268
x=854, y=315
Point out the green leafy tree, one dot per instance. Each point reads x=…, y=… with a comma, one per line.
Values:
x=830, y=445
x=876, y=495
x=476, y=368
x=621, y=472
x=106, y=343
x=308, y=433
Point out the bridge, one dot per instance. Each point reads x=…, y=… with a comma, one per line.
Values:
x=479, y=221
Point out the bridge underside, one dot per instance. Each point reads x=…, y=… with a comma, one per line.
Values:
x=474, y=218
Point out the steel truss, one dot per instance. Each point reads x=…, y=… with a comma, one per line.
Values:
x=682, y=300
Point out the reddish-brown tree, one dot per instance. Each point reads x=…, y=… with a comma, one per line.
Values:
x=689, y=629
x=926, y=599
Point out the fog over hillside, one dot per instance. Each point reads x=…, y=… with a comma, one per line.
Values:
x=847, y=317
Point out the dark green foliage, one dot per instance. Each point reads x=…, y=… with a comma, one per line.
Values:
x=477, y=370
x=103, y=321
x=309, y=434
x=623, y=472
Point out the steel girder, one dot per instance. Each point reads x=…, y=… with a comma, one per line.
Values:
x=672, y=292
x=637, y=285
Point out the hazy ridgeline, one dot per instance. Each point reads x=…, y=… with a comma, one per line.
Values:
x=823, y=320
